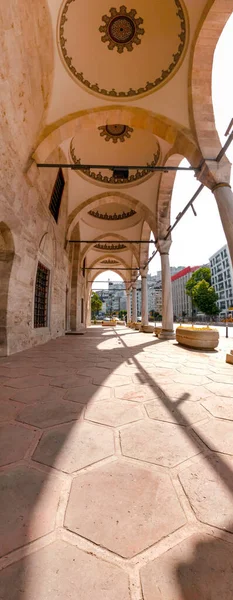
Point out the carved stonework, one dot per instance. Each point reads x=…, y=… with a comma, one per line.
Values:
x=110, y=247
x=109, y=261
x=114, y=217
x=122, y=29
x=115, y=133
x=139, y=174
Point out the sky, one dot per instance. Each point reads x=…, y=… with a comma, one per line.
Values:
x=195, y=239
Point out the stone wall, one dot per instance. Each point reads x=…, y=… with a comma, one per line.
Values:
x=36, y=236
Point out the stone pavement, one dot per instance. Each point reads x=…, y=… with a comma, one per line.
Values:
x=116, y=470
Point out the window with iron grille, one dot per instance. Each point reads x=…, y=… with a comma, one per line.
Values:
x=41, y=296
x=55, y=202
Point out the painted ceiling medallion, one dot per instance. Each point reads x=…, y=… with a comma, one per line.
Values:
x=114, y=217
x=122, y=29
x=160, y=49
x=110, y=246
x=116, y=133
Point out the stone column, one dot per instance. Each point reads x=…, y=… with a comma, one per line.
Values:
x=216, y=176
x=134, y=303
x=167, y=307
x=128, y=306
x=144, y=297
x=224, y=198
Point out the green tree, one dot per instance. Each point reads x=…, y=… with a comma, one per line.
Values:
x=122, y=314
x=205, y=298
x=202, y=294
x=96, y=303
x=199, y=275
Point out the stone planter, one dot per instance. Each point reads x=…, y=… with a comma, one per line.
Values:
x=229, y=358
x=157, y=330
x=109, y=323
x=147, y=328
x=203, y=339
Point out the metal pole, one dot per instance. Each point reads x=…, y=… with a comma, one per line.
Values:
x=78, y=167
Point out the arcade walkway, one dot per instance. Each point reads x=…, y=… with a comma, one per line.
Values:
x=116, y=470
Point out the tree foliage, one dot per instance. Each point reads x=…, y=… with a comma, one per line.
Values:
x=203, y=295
x=204, y=273
x=122, y=314
x=205, y=298
x=96, y=303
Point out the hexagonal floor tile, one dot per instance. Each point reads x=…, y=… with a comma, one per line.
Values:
x=220, y=407
x=184, y=414
x=27, y=382
x=217, y=435
x=191, y=379
x=9, y=410
x=29, y=500
x=198, y=568
x=47, y=414
x=122, y=507
x=69, y=381
x=111, y=380
x=113, y=412
x=176, y=391
x=158, y=443
x=139, y=393
x=14, y=443
x=86, y=393
x=222, y=377
x=63, y=571
x=208, y=485
x=31, y=395
x=221, y=389
x=73, y=447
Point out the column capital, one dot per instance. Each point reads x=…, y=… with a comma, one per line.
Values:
x=215, y=174
x=144, y=271
x=163, y=246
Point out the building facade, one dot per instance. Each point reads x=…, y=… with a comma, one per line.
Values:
x=182, y=305
x=222, y=278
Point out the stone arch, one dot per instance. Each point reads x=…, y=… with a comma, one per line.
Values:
x=163, y=201
x=117, y=271
x=144, y=248
x=106, y=256
x=139, y=118
x=48, y=246
x=212, y=23
x=115, y=236
x=99, y=199
x=7, y=252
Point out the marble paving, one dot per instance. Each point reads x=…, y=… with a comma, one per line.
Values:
x=116, y=470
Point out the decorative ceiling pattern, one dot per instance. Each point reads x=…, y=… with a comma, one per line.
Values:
x=112, y=217
x=115, y=178
x=110, y=247
x=115, y=133
x=109, y=261
x=158, y=48
x=122, y=29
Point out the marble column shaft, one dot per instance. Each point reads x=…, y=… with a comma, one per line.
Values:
x=134, y=303
x=144, y=297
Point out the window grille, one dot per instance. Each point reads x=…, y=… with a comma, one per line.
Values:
x=55, y=202
x=41, y=297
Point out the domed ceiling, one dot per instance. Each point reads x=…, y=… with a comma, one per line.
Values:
x=115, y=145
x=111, y=216
x=135, y=49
